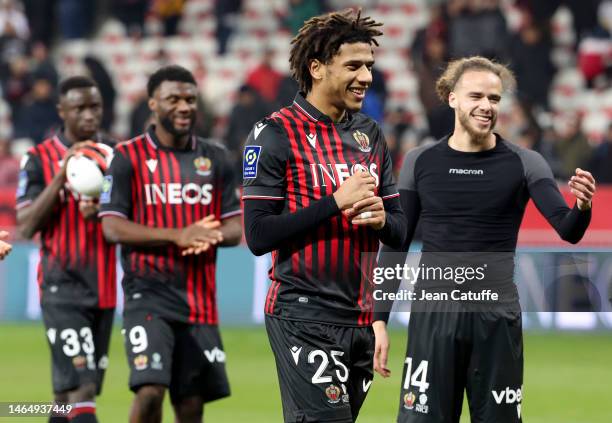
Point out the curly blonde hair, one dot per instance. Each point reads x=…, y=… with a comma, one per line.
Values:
x=456, y=68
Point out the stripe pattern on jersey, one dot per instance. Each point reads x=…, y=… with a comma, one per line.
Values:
x=69, y=243
x=333, y=251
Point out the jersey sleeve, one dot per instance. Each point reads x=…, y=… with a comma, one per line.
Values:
x=388, y=189
x=570, y=224
x=31, y=180
x=264, y=162
x=230, y=201
x=116, y=196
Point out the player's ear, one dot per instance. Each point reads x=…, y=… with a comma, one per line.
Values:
x=152, y=104
x=316, y=69
x=60, y=111
x=452, y=99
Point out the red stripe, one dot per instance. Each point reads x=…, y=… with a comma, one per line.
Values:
x=81, y=410
x=272, y=277
x=137, y=259
x=346, y=225
x=291, y=197
x=303, y=187
x=200, y=285
x=63, y=253
x=165, y=211
x=189, y=265
x=152, y=216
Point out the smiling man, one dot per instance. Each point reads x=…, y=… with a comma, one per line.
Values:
x=469, y=192
x=170, y=199
x=318, y=192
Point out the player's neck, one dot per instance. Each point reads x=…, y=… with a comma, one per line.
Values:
x=69, y=136
x=170, y=140
x=320, y=102
x=462, y=141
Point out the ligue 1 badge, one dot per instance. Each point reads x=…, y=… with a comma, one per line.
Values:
x=363, y=141
x=202, y=165
x=333, y=393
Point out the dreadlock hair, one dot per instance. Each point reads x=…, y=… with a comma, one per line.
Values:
x=321, y=37
x=455, y=69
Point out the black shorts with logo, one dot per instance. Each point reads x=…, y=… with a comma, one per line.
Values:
x=187, y=358
x=324, y=370
x=449, y=351
x=79, y=338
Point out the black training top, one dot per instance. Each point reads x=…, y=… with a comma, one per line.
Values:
x=475, y=202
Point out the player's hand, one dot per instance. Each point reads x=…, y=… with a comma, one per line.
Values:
x=5, y=247
x=368, y=212
x=200, y=236
x=89, y=208
x=381, y=348
x=582, y=185
x=71, y=152
x=355, y=188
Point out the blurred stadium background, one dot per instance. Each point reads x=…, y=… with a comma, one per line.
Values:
x=561, y=51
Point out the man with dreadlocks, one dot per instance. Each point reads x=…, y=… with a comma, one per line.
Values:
x=318, y=192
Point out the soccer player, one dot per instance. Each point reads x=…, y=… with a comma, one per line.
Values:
x=469, y=192
x=5, y=247
x=319, y=192
x=170, y=199
x=76, y=273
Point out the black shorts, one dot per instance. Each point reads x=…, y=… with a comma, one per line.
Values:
x=324, y=370
x=450, y=350
x=188, y=359
x=79, y=339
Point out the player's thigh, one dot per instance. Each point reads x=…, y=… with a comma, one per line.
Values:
x=199, y=364
x=361, y=343
x=73, y=353
x=312, y=370
x=149, y=345
x=102, y=332
x=495, y=378
x=436, y=360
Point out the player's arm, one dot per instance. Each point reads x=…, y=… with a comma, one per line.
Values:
x=116, y=207
x=267, y=224
x=382, y=213
x=570, y=224
x=37, y=200
x=391, y=257
x=123, y=231
x=5, y=247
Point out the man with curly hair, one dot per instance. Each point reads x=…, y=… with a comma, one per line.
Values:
x=318, y=192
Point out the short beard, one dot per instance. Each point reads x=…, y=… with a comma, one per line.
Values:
x=478, y=137
x=168, y=126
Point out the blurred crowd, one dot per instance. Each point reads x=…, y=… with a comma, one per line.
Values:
x=31, y=30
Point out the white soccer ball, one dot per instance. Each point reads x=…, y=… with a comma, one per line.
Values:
x=85, y=170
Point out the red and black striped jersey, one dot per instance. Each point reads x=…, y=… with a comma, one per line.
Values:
x=299, y=155
x=161, y=187
x=77, y=265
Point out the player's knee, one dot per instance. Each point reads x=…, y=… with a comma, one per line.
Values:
x=150, y=398
x=86, y=392
x=189, y=410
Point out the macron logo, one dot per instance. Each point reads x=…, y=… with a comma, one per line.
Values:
x=152, y=165
x=453, y=171
x=258, y=128
x=312, y=139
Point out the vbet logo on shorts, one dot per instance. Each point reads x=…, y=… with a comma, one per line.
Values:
x=509, y=396
x=249, y=162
